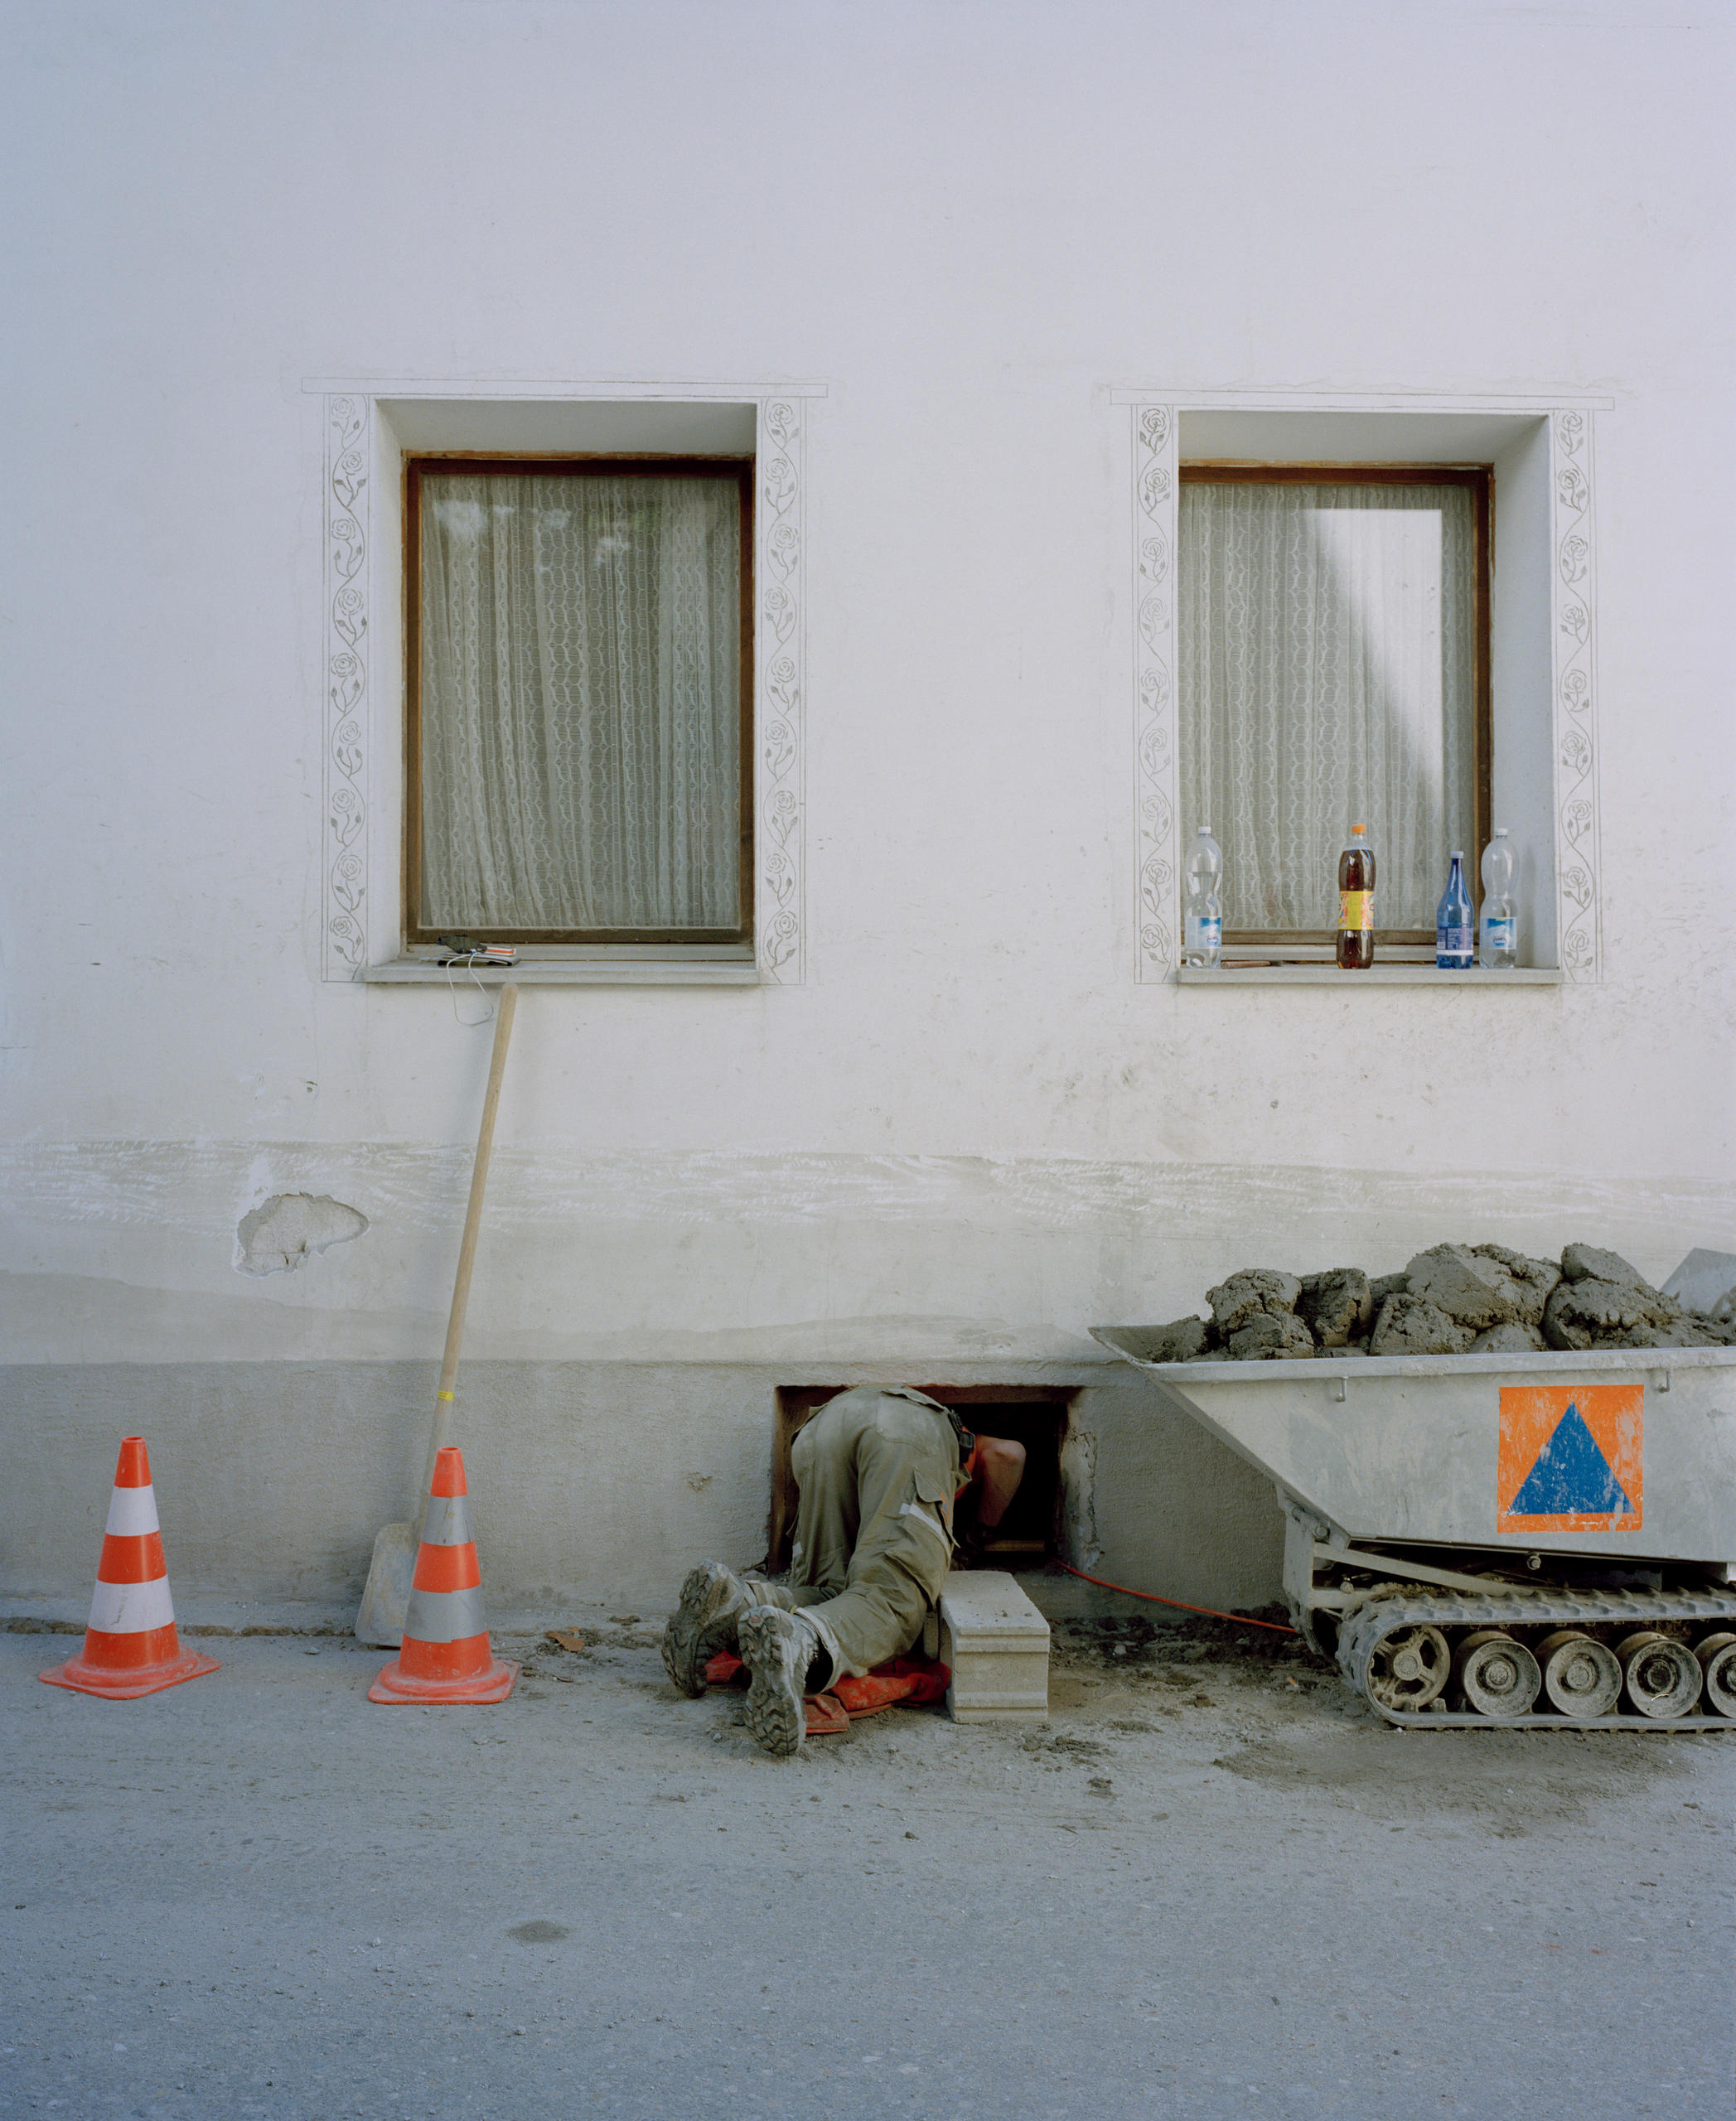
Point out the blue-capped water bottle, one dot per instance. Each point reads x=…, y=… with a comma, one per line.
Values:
x=1455, y=926
x=1202, y=916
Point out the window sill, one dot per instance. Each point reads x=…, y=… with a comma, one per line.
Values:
x=670, y=969
x=1377, y=975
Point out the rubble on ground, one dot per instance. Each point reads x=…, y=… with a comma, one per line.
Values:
x=1452, y=1299
x=1142, y=1647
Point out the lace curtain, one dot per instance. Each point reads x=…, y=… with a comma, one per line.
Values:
x=1326, y=651
x=579, y=702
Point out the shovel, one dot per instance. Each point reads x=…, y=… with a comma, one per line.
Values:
x=384, y=1603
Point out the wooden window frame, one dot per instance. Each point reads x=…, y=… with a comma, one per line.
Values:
x=416, y=932
x=1480, y=479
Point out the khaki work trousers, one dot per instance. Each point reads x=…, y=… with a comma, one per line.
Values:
x=877, y=1470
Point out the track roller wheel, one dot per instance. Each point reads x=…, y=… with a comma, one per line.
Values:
x=1497, y=1676
x=1580, y=1675
x=1408, y=1667
x=1717, y=1656
x=1663, y=1677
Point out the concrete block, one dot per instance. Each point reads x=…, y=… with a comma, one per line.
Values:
x=997, y=1644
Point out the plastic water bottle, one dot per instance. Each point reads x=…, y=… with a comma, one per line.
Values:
x=1203, y=920
x=1500, y=924
x=1455, y=928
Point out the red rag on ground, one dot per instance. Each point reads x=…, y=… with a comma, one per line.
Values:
x=918, y=1680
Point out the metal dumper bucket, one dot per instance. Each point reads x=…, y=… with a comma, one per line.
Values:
x=1545, y=1539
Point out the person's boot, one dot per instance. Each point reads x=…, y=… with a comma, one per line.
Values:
x=777, y=1647
x=712, y=1600
x=968, y=1543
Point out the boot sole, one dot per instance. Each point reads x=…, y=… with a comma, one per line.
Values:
x=705, y=1598
x=776, y=1715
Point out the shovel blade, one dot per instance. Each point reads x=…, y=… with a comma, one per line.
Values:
x=379, y=1618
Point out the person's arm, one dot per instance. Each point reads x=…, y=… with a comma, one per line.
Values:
x=996, y=1467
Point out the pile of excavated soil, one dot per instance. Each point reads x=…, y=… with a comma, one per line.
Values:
x=1453, y=1299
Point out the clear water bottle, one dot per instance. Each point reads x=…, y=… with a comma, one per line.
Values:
x=1203, y=917
x=1500, y=923
x=1455, y=927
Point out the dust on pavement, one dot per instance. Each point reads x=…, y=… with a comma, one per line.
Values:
x=1213, y=1884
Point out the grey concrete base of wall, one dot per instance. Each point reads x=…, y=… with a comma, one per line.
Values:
x=590, y=1481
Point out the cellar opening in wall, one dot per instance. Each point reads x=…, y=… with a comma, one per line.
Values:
x=1033, y=1415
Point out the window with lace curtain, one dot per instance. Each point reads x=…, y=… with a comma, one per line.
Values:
x=1332, y=639
x=580, y=650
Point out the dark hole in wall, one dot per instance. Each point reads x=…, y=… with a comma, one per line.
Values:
x=1034, y=1415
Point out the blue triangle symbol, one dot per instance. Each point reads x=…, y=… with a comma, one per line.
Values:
x=1572, y=1477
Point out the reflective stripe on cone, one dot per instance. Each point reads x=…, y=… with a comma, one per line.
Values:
x=131, y=1645
x=447, y=1521
x=121, y=1606
x=446, y=1654
x=445, y=1616
x=132, y=1511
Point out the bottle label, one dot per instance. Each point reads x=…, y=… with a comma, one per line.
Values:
x=1204, y=930
x=1498, y=935
x=1356, y=913
x=1453, y=946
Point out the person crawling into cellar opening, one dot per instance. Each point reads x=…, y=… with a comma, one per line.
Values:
x=891, y=1484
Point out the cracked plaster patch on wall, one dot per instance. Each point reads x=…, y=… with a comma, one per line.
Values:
x=281, y=1233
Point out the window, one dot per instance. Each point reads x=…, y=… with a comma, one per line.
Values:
x=578, y=646
x=1332, y=654
x=1538, y=704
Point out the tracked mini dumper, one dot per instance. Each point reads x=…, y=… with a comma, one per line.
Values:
x=1546, y=1540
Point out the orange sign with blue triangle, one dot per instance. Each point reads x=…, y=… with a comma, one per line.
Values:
x=1571, y=1458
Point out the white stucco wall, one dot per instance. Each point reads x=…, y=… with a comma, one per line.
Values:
x=968, y=1135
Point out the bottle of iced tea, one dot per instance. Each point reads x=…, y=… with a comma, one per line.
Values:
x=1357, y=902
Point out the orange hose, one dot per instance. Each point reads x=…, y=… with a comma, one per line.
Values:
x=1241, y=1620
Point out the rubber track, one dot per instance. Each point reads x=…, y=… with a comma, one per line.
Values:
x=1378, y=1616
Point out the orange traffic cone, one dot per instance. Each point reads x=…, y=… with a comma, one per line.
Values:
x=131, y=1646
x=446, y=1654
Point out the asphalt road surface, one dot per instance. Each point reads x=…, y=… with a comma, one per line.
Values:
x=1213, y=1885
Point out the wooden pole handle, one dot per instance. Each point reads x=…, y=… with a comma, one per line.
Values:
x=508, y=1004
